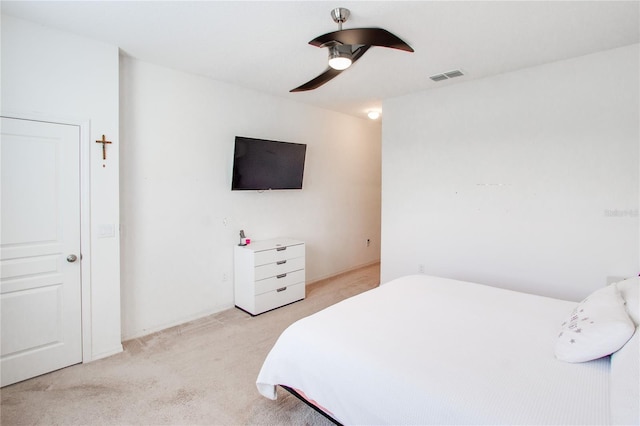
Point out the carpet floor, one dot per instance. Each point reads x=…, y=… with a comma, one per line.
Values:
x=199, y=373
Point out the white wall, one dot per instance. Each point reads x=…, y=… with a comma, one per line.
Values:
x=527, y=180
x=181, y=220
x=57, y=76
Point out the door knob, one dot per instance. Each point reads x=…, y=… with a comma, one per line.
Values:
x=72, y=258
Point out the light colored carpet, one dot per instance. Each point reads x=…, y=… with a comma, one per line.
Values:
x=199, y=373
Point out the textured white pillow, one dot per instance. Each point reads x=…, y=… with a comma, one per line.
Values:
x=597, y=327
x=629, y=290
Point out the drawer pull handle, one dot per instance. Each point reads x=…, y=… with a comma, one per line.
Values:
x=281, y=289
x=281, y=262
x=281, y=276
x=281, y=248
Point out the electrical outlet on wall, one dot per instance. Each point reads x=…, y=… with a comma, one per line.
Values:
x=421, y=268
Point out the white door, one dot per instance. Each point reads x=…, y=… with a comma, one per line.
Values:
x=40, y=300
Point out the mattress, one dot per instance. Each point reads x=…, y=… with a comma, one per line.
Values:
x=428, y=350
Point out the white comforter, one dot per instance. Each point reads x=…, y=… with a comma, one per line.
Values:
x=426, y=350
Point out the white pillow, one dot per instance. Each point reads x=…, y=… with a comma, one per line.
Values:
x=629, y=290
x=597, y=327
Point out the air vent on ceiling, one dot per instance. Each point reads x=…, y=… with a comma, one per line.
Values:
x=447, y=75
x=439, y=77
x=453, y=74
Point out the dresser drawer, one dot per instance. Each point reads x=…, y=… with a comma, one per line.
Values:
x=278, y=268
x=278, y=254
x=274, y=299
x=279, y=281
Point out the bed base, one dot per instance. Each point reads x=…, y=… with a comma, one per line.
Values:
x=302, y=398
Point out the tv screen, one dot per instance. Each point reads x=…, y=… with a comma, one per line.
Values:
x=260, y=164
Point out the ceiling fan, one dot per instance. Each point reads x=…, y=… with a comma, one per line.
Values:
x=347, y=46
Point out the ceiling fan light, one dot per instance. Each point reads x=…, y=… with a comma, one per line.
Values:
x=340, y=57
x=339, y=63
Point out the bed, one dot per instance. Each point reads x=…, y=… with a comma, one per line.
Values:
x=428, y=350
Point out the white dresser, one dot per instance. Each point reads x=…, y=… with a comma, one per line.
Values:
x=268, y=274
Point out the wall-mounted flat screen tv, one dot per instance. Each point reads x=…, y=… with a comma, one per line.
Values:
x=260, y=164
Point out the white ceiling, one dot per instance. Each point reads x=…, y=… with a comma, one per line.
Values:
x=264, y=45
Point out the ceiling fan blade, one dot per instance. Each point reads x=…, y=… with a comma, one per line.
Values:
x=329, y=73
x=365, y=36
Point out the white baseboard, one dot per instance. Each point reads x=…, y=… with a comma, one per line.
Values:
x=106, y=354
x=345, y=271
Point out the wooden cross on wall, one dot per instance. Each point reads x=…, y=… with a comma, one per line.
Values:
x=104, y=143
